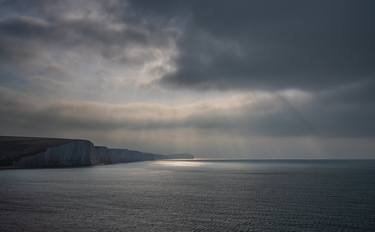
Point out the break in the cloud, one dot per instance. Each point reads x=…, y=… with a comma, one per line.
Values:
x=213, y=77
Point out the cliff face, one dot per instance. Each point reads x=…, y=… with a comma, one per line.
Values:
x=71, y=154
x=106, y=155
x=101, y=155
x=124, y=155
x=12, y=148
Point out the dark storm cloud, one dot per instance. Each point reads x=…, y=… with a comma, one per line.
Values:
x=242, y=44
x=272, y=44
x=77, y=31
x=96, y=25
x=323, y=50
x=48, y=46
x=68, y=34
x=323, y=47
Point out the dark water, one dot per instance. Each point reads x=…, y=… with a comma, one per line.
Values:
x=192, y=196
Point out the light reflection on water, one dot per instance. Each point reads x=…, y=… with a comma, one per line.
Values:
x=179, y=163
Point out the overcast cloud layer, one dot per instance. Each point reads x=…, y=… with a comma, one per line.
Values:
x=290, y=78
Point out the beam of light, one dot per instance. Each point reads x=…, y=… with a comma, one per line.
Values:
x=312, y=142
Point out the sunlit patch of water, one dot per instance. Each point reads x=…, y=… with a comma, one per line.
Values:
x=179, y=163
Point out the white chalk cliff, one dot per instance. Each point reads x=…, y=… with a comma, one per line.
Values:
x=33, y=152
x=71, y=154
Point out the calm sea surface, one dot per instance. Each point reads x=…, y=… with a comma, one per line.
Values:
x=192, y=196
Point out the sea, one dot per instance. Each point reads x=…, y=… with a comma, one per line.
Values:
x=192, y=195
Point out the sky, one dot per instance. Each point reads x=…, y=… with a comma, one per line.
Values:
x=242, y=78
